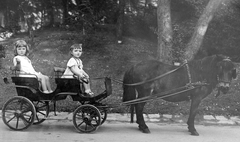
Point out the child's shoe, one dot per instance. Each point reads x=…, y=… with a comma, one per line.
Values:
x=45, y=92
x=89, y=94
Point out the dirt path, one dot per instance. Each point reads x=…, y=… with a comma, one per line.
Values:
x=64, y=131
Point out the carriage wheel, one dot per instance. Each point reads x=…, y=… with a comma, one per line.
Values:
x=86, y=118
x=18, y=113
x=42, y=111
x=103, y=113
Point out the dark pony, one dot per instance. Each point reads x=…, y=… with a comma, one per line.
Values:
x=215, y=71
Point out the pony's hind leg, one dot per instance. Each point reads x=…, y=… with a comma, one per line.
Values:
x=140, y=119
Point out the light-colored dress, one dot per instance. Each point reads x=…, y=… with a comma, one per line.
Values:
x=26, y=68
x=72, y=62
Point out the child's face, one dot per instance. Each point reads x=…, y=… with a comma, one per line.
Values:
x=76, y=52
x=21, y=51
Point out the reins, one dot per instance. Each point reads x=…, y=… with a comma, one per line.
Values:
x=158, y=77
x=163, y=75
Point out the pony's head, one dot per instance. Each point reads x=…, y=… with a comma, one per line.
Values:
x=226, y=71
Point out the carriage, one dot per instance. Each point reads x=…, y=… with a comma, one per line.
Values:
x=32, y=106
x=146, y=81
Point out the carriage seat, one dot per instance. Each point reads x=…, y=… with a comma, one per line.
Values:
x=29, y=80
x=67, y=84
x=58, y=71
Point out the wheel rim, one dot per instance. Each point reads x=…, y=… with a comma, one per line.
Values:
x=18, y=113
x=42, y=111
x=86, y=118
x=103, y=113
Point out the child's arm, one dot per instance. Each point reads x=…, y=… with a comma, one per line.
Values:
x=16, y=63
x=80, y=73
x=77, y=71
x=85, y=74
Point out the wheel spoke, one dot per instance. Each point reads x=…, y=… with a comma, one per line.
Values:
x=37, y=118
x=25, y=121
x=80, y=124
x=42, y=111
x=10, y=111
x=17, y=122
x=91, y=125
x=39, y=112
x=11, y=119
x=79, y=117
x=27, y=115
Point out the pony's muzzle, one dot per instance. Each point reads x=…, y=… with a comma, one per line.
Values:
x=224, y=87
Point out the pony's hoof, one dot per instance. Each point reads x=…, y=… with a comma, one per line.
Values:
x=144, y=130
x=194, y=133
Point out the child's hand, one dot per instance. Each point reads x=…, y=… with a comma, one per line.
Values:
x=18, y=61
x=18, y=66
x=85, y=80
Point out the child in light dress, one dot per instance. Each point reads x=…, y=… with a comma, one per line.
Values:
x=75, y=68
x=21, y=51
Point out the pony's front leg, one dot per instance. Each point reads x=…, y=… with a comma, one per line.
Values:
x=140, y=119
x=193, y=111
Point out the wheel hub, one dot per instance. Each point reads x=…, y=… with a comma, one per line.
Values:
x=18, y=113
x=87, y=119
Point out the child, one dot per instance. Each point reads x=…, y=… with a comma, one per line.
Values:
x=21, y=51
x=75, y=68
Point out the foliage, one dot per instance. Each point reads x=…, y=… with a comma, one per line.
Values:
x=140, y=20
x=86, y=14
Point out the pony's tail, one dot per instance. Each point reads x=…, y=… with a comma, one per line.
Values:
x=132, y=113
x=129, y=91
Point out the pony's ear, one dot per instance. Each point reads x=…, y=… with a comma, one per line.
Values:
x=234, y=73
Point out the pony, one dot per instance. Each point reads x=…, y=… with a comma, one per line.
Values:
x=154, y=77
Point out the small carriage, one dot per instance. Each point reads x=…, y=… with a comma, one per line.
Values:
x=32, y=106
x=143, y=82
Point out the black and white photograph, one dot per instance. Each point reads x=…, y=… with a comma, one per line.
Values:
x=119, y=70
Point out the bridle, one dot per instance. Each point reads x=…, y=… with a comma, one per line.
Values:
x=218, y=78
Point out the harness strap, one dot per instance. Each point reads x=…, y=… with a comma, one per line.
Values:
x=188, y=72
x=158, y=77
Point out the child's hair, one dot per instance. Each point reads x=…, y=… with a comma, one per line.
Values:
x=20, y=43
x=76, y=46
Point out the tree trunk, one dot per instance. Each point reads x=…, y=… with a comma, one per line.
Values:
x=65, y=11
x=164, y=31
x=51, y=12
x=120, y=20
x=201, y=28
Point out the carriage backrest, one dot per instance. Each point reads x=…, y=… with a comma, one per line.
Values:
x=26, y=81
x=58, y=72
x=67, y=84
x=27, y=87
